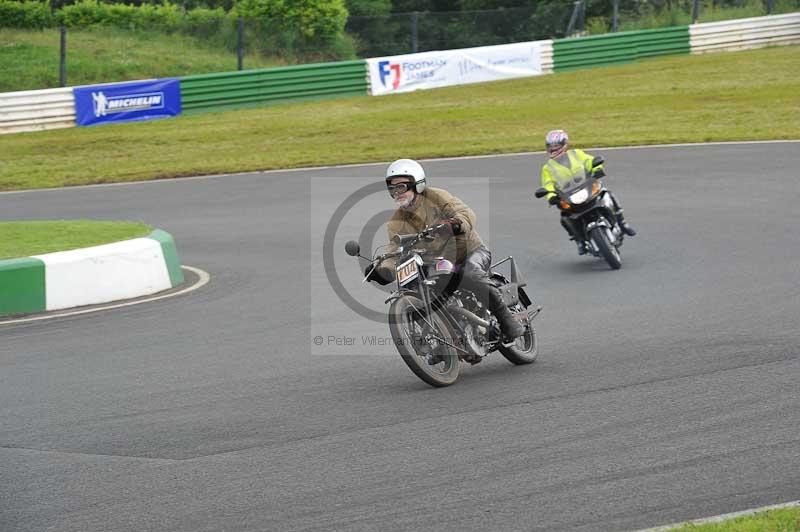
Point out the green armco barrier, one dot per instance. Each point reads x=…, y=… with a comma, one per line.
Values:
x=623, y=47
x=251, y=88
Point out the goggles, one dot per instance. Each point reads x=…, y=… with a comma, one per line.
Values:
x=399, y=188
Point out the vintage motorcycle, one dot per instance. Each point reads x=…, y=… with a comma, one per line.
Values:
x=591, y=210
x=435, y=324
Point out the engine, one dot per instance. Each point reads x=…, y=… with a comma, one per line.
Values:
x=474, y=339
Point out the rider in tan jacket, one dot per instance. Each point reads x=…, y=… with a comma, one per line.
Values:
x=419, y=207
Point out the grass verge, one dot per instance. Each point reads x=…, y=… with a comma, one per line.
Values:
x=781, y=520
x=750, y=95
x=710, y=11
x=22, y=239
x=29, y=59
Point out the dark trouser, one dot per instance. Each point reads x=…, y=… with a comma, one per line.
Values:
x=475, y=277
x=567, y=224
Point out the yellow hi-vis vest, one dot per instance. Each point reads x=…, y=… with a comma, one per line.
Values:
x=557, y=175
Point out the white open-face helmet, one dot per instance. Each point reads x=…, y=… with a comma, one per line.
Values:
x=407, y=168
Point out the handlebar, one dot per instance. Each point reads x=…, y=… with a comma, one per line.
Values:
x=428, y=232
x=402, y=241
x=407, y=240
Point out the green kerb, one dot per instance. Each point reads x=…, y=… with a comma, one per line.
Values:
x=22, y=286
x=170, y=255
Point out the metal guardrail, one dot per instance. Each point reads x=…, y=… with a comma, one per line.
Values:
x=745, y=33
x=36, y=110
x=251, y=88
x=546, y=56
x=614, y=48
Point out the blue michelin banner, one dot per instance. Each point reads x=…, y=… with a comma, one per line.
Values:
x=125, y=102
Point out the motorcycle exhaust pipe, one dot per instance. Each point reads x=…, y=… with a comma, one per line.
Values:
x=461, y=311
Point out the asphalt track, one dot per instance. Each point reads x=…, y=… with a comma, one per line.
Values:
x=665, y=391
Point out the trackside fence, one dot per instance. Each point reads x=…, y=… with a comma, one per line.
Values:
x=623, y=47
x=745, y=33
x=36, y=110
x=251, y=88
x=55, y=108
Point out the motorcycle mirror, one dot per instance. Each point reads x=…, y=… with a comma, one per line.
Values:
x=352, y=248
x=540, y=192
x=597, y=161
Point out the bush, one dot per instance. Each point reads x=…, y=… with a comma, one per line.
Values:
x=204, y=23
x=120, y=16
x=369, y=8
x=317, y=20
x=25, y=15
x=306, y=22
x=165, y=18
x=82, y=14
x=597, y=26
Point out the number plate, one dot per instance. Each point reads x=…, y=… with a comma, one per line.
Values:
x=407, y=272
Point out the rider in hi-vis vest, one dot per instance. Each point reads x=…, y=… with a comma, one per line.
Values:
x=569, y=167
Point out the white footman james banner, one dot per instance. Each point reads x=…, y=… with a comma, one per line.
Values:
x=403, y=73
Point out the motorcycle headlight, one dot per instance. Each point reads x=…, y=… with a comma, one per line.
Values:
x=579, y=196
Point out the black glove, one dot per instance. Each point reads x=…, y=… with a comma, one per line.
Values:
x=553, y=200
x=450, y=226
x=380, y=275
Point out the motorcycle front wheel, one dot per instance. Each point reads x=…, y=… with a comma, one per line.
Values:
x=422, y=341
x=525, y=349
x=609, y=252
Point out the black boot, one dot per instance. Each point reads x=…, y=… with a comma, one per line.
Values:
x=627, y=229
x=509, y=326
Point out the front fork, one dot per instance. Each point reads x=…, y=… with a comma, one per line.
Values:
x=424, y=294
x=605, y=219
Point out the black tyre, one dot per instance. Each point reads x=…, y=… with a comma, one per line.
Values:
x=609, y=252
x=422, y=342
x=525, y=349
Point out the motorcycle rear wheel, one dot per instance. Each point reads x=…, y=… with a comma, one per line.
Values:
x=606, y=248
x=418, y=337
x=525, y=349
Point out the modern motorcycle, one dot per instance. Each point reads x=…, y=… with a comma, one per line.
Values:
x=589, y=206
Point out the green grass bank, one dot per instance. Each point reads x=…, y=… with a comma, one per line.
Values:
x=750, y=95
x=23, y=239
x=29, y=59
x=780, y=520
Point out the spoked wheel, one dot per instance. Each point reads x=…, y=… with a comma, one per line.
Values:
x=525, y=349
x=422, y=341
x=609, y=251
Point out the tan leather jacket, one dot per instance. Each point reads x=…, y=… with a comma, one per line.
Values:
x=429, y=208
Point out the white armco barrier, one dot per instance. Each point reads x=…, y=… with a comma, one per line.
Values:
x=745, y=33
x=546, y=55
x=427, y=70
x=36, y=110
